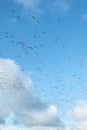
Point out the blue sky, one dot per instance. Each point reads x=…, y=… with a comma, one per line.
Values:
x=43, y=54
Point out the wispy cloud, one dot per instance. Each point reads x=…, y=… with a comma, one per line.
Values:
x=60, y=5
x=42, y=6
x=16, y=97
x=84, y=17
x=29, y=4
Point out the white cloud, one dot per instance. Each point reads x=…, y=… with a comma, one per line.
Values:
x=79, y=111
x=47, y=118
x=18, y=127
x=12, y=127
x=80, y=125
x=46, y=128
x=16, y=97
x=79, y=114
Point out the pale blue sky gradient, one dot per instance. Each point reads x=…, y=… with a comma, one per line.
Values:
x=48, y=39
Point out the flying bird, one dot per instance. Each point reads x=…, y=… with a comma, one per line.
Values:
x=18, y=17
x=33, y=17
x=13, y=10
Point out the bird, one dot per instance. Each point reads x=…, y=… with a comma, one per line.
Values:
x=33, y=17
x=18, y=17
x=13, y=10
x=38, y=21
x=44, y=32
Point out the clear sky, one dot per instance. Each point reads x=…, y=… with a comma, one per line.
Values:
x=43, y=64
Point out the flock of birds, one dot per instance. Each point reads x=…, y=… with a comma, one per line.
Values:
x=56, y=86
